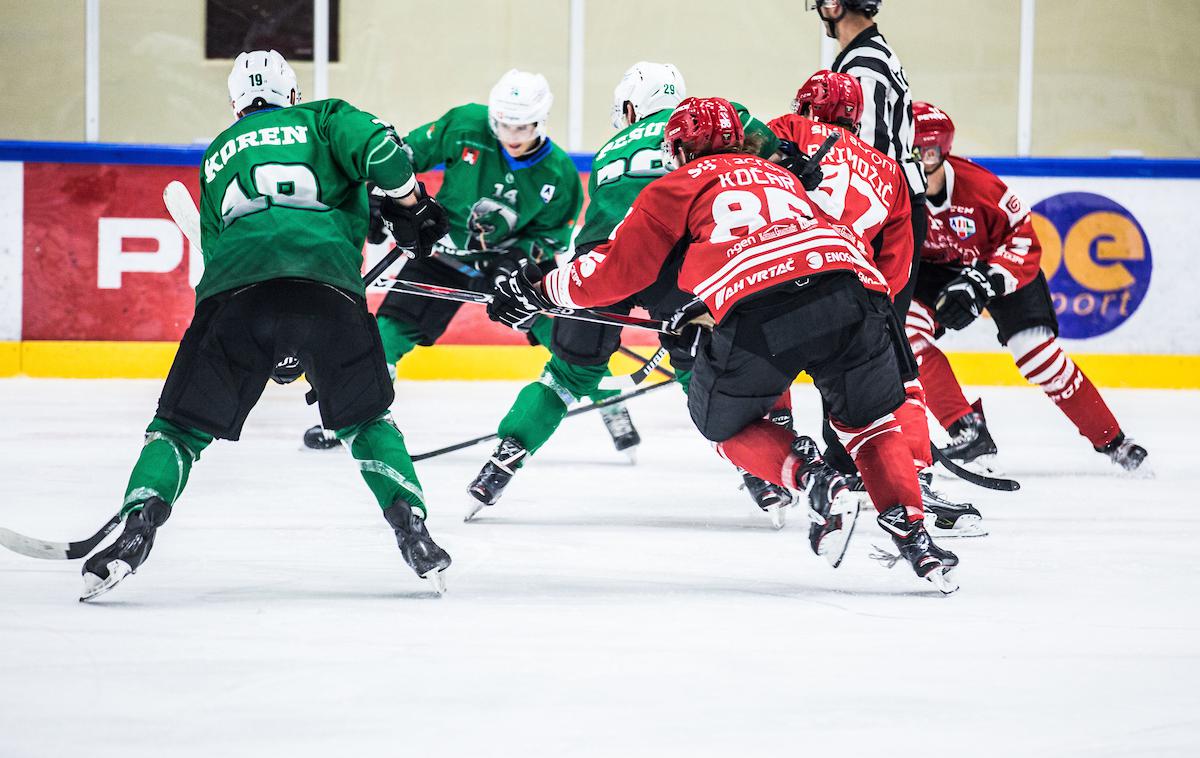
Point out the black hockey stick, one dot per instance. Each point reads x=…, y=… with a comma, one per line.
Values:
x=483, y=298
x=57, y=551
x=624, y=381
x=584, y=409
x=979, y=480
x=637, y=357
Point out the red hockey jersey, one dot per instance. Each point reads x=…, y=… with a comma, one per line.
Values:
x=862, y=188
x=982, y=220
x=748, y=227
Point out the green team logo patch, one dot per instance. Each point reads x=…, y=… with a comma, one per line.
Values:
x=547, y=192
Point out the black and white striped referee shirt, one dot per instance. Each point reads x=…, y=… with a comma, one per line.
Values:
x=887, y=120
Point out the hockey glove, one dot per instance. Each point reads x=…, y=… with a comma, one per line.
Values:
x=415, y=227
x=688, y=323
x=376, y=232
x=964, y=297
x=806, y=170
x=287, y=370
x=517, y=300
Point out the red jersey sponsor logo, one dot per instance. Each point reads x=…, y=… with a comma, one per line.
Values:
x=963, y=226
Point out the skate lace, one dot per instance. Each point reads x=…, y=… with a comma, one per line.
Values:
x=617, y=420
x=886, y=558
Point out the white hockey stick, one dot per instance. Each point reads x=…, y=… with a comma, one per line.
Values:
x=184, y=212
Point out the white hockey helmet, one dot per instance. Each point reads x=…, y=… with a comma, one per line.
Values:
x=520, y=97
x=261, y=74
x=650, y=88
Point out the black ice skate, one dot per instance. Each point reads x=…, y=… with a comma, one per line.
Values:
x=772, y=498
x=927, y=559
x=620, y=427
x=835, y=509
x=1124, y=452
x=418, y=548
x=781, y=417
x=971, y=443
x=495, y=475
x=319, y=438
x=951, y=519
x=105, y=569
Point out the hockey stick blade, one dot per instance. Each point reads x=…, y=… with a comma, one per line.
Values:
x=631, y=354
x=183, y=211
x=625, y=381
x=57, y=551
x=589, y=407
x=979, y=480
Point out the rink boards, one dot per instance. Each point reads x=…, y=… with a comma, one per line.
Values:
x=96, y=281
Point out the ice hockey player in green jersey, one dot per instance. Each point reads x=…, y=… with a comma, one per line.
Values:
x=511, y=195
x=642, y=103
x=283, y=215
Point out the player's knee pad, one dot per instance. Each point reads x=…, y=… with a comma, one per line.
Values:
x=571, y=382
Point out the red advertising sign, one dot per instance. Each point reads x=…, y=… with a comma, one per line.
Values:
x=104, y=261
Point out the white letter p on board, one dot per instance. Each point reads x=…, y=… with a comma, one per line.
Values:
x=113, y=261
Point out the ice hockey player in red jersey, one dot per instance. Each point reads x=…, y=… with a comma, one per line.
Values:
x=867, y=191
x=981, y=251
x=790, y=290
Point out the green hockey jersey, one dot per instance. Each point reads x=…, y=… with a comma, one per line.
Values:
x=282, y=195
x=535, y=199
x=633, y=159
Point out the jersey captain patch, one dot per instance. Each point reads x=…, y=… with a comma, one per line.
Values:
x=963, y=226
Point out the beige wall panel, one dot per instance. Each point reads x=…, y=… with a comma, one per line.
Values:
x=410, y=62
x=41, y=70
x=1113, y=75
x=756, y=52
x=963, y=57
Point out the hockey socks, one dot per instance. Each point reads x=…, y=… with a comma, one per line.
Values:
x=914, y=426
x=386, y=467
x=534, y=416
x=1042, y=361
x=163, y=466
x=765, y=450
x=399, y=338
x=885, y=464
x=943, y=393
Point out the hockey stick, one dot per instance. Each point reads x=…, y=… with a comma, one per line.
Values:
x=624, y=381
x=57, y=551
x=631, y=354
x=589, y=407
x=482, y=298
x=979, y=480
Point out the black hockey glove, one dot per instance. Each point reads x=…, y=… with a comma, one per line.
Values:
x=487, y=229
x=806, y=170
x=376, y=232
x=287, y=370
x=964, y=297
x=689, y=322
x=415, y=227
x=517, y=300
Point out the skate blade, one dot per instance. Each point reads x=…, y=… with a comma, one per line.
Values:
x=631, y=454
x=94, y=586
x=834, y=545
x=965, y=526
x=943, y=579
x=778, y=514
x=475, y=507
x=436, y=580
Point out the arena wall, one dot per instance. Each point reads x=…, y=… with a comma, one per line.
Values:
x=96, y=281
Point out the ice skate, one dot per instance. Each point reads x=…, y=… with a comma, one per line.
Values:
x=620, y=426
x=927, y=559
x=319, y=438
x=418, y=548
x=771, y=498
x=495, y=475
x=105, y=569
x=1127, y=454
x=834, y=507
x=971, y=444
x=951, y=519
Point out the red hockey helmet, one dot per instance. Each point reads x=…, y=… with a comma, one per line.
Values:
x=831, y=97
x=934, y=129
x=703, y=125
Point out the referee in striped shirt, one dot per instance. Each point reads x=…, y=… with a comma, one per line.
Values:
x=887, y=120
x=887, y=124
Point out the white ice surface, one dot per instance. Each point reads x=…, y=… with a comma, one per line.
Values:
x=600, y=609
